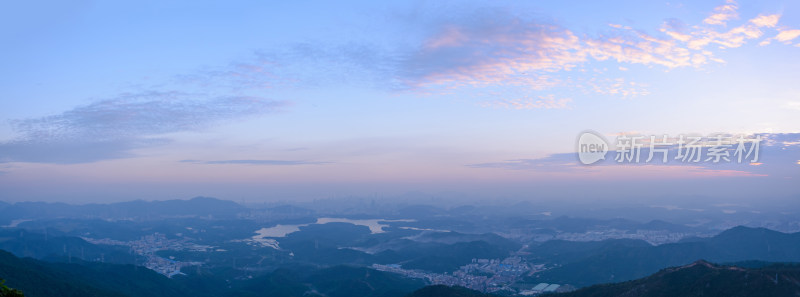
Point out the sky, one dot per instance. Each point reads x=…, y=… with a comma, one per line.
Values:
x=473, y=100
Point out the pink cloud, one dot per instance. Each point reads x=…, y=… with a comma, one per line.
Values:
x=493, y=52
x=766, y=20
x=786, y=36
x=722, y=14
x=505, y=50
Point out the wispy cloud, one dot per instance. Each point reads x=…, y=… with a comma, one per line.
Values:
x=785, y=36
x=258, y=73
x=544, y=102
x=111, y=128
x=301, y=65
x=489, y=48
x=617, y=87
x=564, y=162
x=256, y=162
x=495, y=48
x=722, y=14
x=635, y=47
x=734, y=37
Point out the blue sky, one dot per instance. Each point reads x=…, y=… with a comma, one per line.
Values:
x=107, y=101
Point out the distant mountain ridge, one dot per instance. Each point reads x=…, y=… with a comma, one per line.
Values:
x=702, y=278
x=622, y=260
x=138, y=209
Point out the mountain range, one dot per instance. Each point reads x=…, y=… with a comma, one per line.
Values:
x=589, y=263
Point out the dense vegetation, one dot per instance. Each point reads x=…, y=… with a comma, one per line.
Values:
x=37, y=278
x=5, y=291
